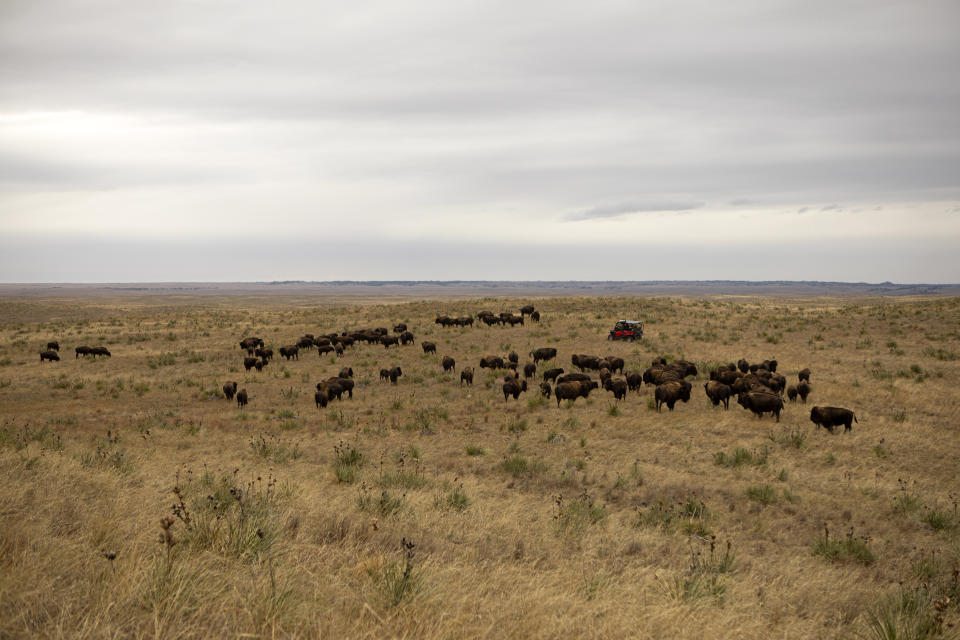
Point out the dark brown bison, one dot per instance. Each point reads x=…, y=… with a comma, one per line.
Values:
x=617, y=387
x=261, y=363
x=344, y=385
x=527, y=310
x=803, y=390
x=263, y=353
x=251, y=343
x=634, y=380
x=449, y=364
x=250, y=363
x=291, y=352
x=429, y=347
x=804, y=375
x=321, y=397
x=492, y=362
x=725, y=376
x=573, y=390
x=830, y=417
x=490, y=320
x=50, y=355
x=467, y=376
x=400, y=327
x=718, y=392
x=393, y=374
x=324, y=350
x=99, y=351
x=53, y=345
x=616, y=364
x=406, y=338
x=668, y=393
x=529, y=370
x=535, y=316
x=792, y=393
x=386, y=341
x=761, y=402
x=338, y=348
x=229, y=389
x=545, y=390
x=743, y=365
x=573, y=377
x=82, y=351
x=770, y=365
x=544, y=353
x=552, y=374
x=306, y=342
x=513, y=357
x=242, y=398
x=513, y=387
x=346, y=372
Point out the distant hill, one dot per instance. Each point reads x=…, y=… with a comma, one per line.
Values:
x=479, y=288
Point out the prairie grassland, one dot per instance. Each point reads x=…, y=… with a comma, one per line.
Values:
x=138, y=502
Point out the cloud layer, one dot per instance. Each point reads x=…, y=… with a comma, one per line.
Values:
x=479, y=122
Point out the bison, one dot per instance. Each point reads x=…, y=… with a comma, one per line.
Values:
x=449, y=364
x=552, y=374
x=492, y=362
x=573, y=377
x=573, y=390
x=250, y=363
x=804, y=375
x=761, y=402
x=513, y=387
x=718, y=392
x=792, y=393
x=545, y=390
x=242, y=398
x=830, y=417
x=429, y=347
x=529, y=370
x=803, y=390
x=544, y=353
x=618, y=387
x=229, y=389
x=467, y=376
x=634, y=380
x=386, y=341
x=399, y=327
x=535, y=316
x=251, y=343
x=324, y=349
x=82, y=351
x=291, y=352
x=668, y=393
x=406, y=338
x=53, y=345
x=321, y=397
x=50, y=355
x=346, y=372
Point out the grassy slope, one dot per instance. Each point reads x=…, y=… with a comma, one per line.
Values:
x=606, y=533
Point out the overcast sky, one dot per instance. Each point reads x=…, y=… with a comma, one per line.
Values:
x=213, y=140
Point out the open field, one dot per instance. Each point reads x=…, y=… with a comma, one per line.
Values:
x=589, y=519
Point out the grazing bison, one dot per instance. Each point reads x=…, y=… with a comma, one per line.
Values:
x=544, y=353
x=242, y=398
x=324, y=349
x=513, y=387
x=792, y=393
x=803, y=390
x=399, y=327
x=321, y=397
x=53, y=345
x=406, y=338
x=342, y=384
x=551, y=374
x=251, y=343
x=99, y=351
x=391, y=374
x=492, y=362
x=429, y=347
x=250, y=363
x=545, y=390
x=718, y=392
x=618, y=387
x=306, y=342
x=386, y=341
x=830, y=417
x=291, y=352
x=668, y=393
x=229, y=389
x=761, y=402
x=634, y=380
x=264, y=354
x=527, y=310
x=50, y=355
x=573, y=390
x=573, y=377
x=529, y=370
x=82, y=351
x=346, y=372
x=804, y=375
x=467, y=376
x=449, y=364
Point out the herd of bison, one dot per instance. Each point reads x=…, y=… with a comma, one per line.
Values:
x=758, y=387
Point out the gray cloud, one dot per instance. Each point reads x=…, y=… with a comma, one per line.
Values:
x=628, y=208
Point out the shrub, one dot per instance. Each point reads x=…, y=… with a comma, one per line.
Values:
x=847, y=548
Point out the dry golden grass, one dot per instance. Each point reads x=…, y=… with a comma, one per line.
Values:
x=599, y=519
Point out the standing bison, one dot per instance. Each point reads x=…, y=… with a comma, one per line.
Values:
x=467, y=376
x=53, y=345
x=804, y=375
x=513, y=387
x=761, y=402
x=229, y=389
x=718, y=392
x=668, y=393
x=429, y=347
x=50, y=355
x=830, y=417
x=545, y=353
x=242, y=398
x=449, y=364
